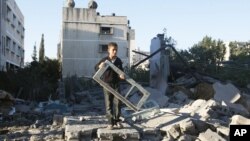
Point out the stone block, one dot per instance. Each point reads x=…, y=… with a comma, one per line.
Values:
x=227, y=92
x=126, y=133
x=200, y=109
x=151, y=134
x=200, y=126
x=186, y=137
x=209, y=135
x=84, y=128
x=240, y=120
x=223, y=131
x=157, y=96
x=174, y=131
x=188, y=127
x=233, y=109
x=164, y=121
x=57, y=119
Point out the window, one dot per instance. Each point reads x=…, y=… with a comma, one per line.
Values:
x=8, y=40
x=19, y=27
x=8, y=13
x=3, y=40
x=19, y=51
x=14, y=47
x=14, y=21
x=14, y=17
x=103, y=48
x=106, y=30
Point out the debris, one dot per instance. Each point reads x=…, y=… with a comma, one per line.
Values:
x=188, y=127
x=6, y=103
x=209, y=135
x=126, y=133
x=227, y=92
x=174, y=131
x=203, y=91
x=239, y=120
x=159, y=97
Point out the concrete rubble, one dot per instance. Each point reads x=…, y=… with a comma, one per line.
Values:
x=182, y=114
x=6, y=103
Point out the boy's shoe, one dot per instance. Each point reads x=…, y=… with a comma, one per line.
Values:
x=110, y=127
x=119, y=125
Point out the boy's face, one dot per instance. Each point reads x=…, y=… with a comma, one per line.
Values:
x=112, y=51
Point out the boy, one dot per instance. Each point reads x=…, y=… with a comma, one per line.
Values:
x=112, y=104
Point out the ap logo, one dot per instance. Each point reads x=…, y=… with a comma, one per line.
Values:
x=239, y=132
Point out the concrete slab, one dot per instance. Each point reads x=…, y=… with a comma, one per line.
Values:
x=234, y=109
x=188, y=127
x=209, y=135
x=82, y=128
x=157, y=96
x=127, y=133
x=164, y=121
x=200, y=109
x=228, y=92
x=174, y=131
x=240, y=120
x=151, y=134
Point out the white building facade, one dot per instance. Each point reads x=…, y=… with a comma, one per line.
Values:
x=85, y=36
x=11, y=36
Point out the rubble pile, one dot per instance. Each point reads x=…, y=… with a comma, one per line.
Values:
x=202, y=111
x=6, y=103
x=190, y=111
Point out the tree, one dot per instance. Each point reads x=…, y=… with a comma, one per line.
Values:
x=34, y=56
x=208, y=51
x=41, y=50
x=240, y=51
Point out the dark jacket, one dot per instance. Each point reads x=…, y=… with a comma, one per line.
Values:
x=110, y=76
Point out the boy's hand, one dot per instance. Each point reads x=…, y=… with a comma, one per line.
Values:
x=122, y=76
x=101, y=65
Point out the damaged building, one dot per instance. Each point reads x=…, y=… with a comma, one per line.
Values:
x=85, y=35
x=194, y=107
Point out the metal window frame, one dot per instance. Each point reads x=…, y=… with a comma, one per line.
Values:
x=137, y=107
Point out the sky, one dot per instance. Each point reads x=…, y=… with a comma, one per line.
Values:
x=186, y=21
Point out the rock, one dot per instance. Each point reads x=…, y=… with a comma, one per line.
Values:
x=174, y=131
x=233, y=109
x=203, y=91
x=209, y=135
x=239, y=120
x=227, y=92
x=152, y=134
x=36, y=138
x=188, y=127
x=245, y=101
x=157, y=96
x=57, y=120
x=186, y=137
x=125, y=133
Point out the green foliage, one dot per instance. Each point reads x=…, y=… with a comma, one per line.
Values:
x=208, y=51
x=37, y=81
x=75, y=84
x=41, y=50
x=240, y=52
x=207, y=55
x=138, y=74
x=34, y=55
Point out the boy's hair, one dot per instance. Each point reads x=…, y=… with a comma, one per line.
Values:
x=113, y=44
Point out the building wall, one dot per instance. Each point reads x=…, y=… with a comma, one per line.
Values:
x=132, y=44
x=227, y=54
x=12, y=36
x=81, y=40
